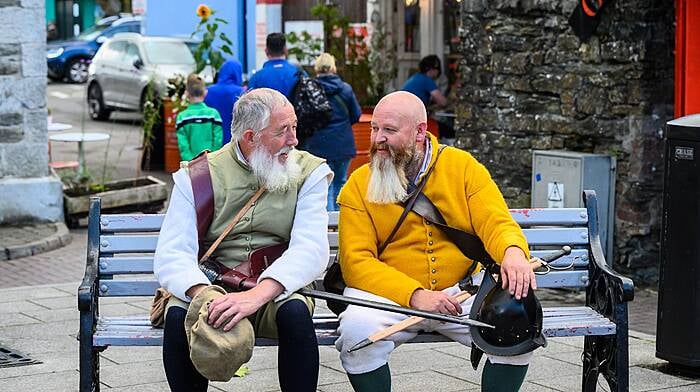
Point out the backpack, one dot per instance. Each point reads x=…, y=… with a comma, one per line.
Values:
x=312, y=107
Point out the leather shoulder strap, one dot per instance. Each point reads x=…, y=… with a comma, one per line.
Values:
x=469, y=244
x=203, y=195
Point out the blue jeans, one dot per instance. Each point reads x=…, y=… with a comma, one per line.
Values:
x=340, y=175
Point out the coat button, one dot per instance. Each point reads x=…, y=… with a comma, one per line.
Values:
x=247, y=249
x=246, y=219
x=430, y=251
x=430, y=242
x=434, y=270
x=432, y=259
x=430, y=234
x=434, y=281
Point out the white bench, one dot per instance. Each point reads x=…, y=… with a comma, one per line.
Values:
x=120, y=264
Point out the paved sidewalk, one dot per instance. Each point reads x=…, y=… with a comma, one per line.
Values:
x=42, y=322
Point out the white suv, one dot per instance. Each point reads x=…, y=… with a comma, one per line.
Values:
x=121, y=69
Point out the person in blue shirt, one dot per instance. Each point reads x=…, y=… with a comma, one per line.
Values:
x=335, y=142
x=276, y=73
x=224, y=94
x=422, y=84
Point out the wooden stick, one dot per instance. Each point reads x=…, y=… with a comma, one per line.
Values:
x=400, y=326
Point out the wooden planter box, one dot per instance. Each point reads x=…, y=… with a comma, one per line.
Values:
x=143, y=194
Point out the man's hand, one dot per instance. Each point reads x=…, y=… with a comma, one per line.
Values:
x=234, y=307
x=435, y=301
x=517, y=273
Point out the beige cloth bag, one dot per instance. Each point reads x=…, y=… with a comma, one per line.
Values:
x=161, y=297
x=216, y=354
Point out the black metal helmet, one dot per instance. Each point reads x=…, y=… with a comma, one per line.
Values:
x=518, y=322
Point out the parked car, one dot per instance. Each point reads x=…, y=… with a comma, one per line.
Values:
x=70, y=59
x=121, y=70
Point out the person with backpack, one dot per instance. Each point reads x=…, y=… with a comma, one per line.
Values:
x=224, y=94
x=334, y=141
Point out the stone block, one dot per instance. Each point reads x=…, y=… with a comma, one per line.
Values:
x=33, y=199
x=9, y=58
x=11, y=134
x=547, y=82
x=517, y=64
x=29, y=91
x=34, y=60
x=7, y=119
x=22, y=25
x=26, y=160
x=590, y=51
x=35, y=126
x=9, y=3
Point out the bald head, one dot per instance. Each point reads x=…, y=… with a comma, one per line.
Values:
x=404, y=104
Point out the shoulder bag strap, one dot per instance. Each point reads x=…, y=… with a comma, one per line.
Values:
x=409, y=204
x=235, y=220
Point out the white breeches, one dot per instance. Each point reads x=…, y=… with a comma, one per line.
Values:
x=357, y=323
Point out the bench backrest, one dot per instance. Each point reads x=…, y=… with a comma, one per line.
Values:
x=127, y=243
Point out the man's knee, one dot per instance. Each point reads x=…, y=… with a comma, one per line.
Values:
x=293, y=314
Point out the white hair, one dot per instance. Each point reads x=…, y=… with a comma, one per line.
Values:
x=252, y=111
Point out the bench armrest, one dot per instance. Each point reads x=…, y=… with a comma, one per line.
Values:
x=606, y=288
x=87, y=292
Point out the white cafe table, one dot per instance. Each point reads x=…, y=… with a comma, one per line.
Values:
x=79, y=138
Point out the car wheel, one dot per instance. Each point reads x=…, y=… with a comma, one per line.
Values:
x=96, y=105
x=77, y=70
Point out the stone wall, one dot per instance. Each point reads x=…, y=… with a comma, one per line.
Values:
x=28, y=191
x=529, y=83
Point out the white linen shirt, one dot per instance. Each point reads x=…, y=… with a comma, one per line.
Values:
x=175, y=262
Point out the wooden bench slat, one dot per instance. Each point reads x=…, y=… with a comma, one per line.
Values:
x=137, y=331
x=556, y=236
x=144, y=264
x=126, y=265
x=127, y=288
x=125, y=223
x=143, y=243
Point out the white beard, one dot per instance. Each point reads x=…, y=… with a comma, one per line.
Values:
x=274, y=175
x=387, y=183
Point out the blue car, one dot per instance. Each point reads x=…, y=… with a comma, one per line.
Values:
x=70, y=59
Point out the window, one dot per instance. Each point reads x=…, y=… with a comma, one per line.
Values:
x=162, y=52
x=411, y=26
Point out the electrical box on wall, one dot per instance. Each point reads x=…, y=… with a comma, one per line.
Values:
x=559, y=178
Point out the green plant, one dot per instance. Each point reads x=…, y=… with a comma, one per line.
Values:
x=151, y=114
x=303, y=46
x=382, y=61
x=335, y=27
x=206, y=52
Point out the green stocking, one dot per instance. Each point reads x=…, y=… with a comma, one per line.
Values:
x=502, y=378
x=378, y=380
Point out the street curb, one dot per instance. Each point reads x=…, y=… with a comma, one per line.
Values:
x=60, y=238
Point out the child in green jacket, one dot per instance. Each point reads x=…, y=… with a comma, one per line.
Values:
x=198, y=126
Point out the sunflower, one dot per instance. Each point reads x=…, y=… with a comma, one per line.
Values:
x=203, y=11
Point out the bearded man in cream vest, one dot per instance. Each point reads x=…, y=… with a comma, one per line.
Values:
x=260, y=154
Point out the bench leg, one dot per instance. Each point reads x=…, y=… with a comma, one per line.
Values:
x=608, y=356
x=89, y=355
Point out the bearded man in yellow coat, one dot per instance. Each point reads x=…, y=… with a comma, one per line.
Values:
x=420, y=267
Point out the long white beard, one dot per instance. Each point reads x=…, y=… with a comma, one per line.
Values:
x=274, y=175
x=387, y=182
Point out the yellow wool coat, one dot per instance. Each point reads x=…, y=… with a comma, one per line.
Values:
x=421, y=255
